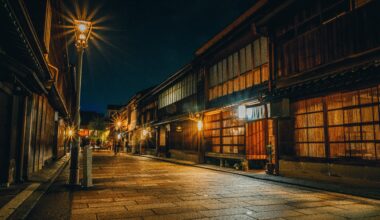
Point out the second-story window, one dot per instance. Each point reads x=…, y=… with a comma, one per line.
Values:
x=178, y=91
x=243, y=69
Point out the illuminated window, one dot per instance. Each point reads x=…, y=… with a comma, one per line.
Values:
x=224, y=133
x=178, y=91
x=243, y=69
x=352, y=125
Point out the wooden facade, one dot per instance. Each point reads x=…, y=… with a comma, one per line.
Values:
x=326, y=42
x=36, y=88
x=296, y=79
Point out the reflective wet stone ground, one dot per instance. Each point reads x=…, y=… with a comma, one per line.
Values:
x=142, y=188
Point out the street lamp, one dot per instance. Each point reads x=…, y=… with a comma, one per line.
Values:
x=200, y=125
x=118, y=125
x=70, y=133
x=82, y=34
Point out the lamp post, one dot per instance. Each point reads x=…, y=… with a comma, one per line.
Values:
x=82, y=33
x=200, y=128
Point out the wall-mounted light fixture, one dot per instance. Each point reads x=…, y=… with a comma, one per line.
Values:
x=200, y=125
x=241, y=111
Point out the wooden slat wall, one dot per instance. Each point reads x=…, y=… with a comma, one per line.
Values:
x=313, y=41
x=186, y=139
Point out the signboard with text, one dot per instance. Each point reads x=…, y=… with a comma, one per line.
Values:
x=257, y=112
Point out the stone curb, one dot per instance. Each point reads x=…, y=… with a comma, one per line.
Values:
x=23, y=210
x=335, y=189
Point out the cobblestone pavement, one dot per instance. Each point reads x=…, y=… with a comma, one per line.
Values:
x=142, y=188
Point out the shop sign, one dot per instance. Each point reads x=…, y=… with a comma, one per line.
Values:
x=257, y=112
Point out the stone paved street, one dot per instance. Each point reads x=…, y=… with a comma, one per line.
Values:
x=142, y=188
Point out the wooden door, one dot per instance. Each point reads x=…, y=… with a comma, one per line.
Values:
x=255, y=136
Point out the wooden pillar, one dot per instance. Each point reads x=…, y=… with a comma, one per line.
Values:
x=22, y=138
x=276, y=150
x=14, y=140
x=29, y=124
x=44, y=134
x=157, y=140
x=38, y=135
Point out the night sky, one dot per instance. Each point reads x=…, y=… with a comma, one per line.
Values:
x=145, y=42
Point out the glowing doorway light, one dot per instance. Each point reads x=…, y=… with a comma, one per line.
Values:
x=200, y=125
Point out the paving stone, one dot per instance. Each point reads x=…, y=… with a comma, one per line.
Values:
x=198, y=202
x=104, y=200
x=275, y=214
x=225, y=205
x=83, y=217
x=135, y=198
x=79, y=206
x=319, y=210
x=358, y=206
x=317, y=217
x=174, y=210
x=309, y=204
x=261, y=208
x=189, y=198
x=150, y=206
x=179, y=216
x=125, y=214
x=98, y=210
x=119, y=203
x=357, y=213
x=232, y=217
x=162, y=200
x=222, y=212
x=266, y=202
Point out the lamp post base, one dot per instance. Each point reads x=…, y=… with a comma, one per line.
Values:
x=74, y=168
x=87, y=167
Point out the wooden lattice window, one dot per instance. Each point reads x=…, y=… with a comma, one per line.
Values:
x=225, y=133
x=353, y=124
x=309, y=130
x=350, y=121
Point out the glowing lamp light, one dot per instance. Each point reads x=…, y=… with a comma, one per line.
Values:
x=82, y=27
x=200, y=125
x=145, y=132
x=70, y=133
x=82, y=32
x=241, y=111
x=82, y=37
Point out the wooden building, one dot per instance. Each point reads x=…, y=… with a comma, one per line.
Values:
x=237, y=114
x=292, y=81
x=158, y=118
x=327, y=58
x=36, y=88
x=178, y=101
x=137, y=116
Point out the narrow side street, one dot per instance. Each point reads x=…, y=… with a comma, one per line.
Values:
x=143, y=188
